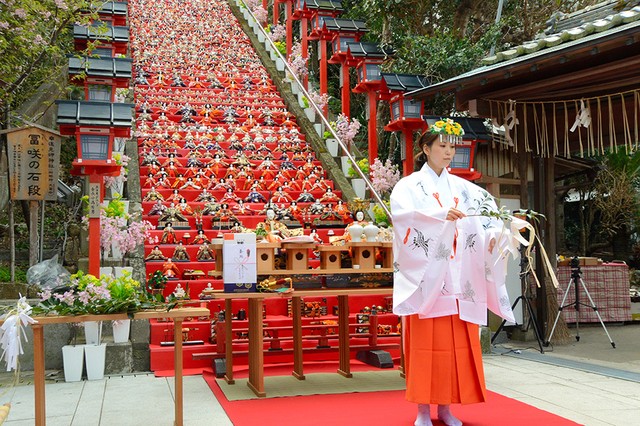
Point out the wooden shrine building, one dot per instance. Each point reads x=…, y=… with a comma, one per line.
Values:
x=572, y=92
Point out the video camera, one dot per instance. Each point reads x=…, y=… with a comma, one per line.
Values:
x=574, y=263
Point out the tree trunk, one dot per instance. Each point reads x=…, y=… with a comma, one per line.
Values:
x=620, y=244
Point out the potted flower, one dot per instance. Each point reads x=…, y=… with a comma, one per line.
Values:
x=121, y=289
x=156, y=282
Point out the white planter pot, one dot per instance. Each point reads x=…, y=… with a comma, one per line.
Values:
x=280, y=64
x=311, y=114
x=92, y=332
x=94, y=356
x=106, y=270
x=332, y=146
x=246, y=15
x=118, y=271
x=273, y=55
x=119, y=144
x=319, y=129
x=117, y=187
x=121, y=330
x=73, y=361
x=295, y=88
x=261, y=37
x=267, y=46
x=301, y=101
x=344, y=162
x=359, y=187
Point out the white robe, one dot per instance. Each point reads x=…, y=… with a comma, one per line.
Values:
x=433, y=276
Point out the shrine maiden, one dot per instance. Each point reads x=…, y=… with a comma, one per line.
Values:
x=448, y=269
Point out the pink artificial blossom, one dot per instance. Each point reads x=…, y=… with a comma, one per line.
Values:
x=346, y=129
x=278, y=33
x=261, y=15
x=318, y=99
x=298, y=63
x=384, y=176
x=45, y=294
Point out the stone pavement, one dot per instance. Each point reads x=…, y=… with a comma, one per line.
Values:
x=587, y=381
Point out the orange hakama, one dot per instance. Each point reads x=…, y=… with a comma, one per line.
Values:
x=443, y=361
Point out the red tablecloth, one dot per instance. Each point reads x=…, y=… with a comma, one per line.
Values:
x=608, y=285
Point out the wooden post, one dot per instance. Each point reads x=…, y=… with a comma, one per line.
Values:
x=296, y=313
x=34, y=246
x=177, y=357
x=228, y=338
x=38, y=374
x=256, y=348
x=343, y=336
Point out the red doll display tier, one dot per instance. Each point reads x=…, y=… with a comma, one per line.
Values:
x=217, y=149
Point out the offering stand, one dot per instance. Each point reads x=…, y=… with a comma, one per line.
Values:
x=256, y=336
x=177, y=315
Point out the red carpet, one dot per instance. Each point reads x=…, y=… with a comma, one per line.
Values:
x=371, y=408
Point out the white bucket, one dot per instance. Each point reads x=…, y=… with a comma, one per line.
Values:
x=94, y=356
x=73, y=361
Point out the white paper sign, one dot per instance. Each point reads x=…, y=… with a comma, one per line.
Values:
x=239, y=258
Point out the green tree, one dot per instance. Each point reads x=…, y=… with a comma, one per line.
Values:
x=35, y=37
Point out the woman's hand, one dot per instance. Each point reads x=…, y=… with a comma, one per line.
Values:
x=455, y=214
x=492, y=244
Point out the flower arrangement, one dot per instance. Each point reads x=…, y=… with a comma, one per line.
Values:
x=345, y=128
x=318, y=99
x=363, y=165
x=115, y=181
x=447, y=128
x=118, y=229
x=87, y=294
x=281, y=46
x=297, y=62
x=277, y=32
x=261, y=15
x=384, y=177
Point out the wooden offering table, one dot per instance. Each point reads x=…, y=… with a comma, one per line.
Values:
x=256, y=336
x=177, y=315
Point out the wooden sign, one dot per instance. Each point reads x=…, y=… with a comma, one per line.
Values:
x=94, y=200
x=34, y=158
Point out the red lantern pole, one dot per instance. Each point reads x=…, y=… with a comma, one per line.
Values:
x=288, y=13
x=96, y=195
x=276, y=11
x=323, y=70
x=373, y=126
x=407, y=163
x=346, y=90
x=305, y=48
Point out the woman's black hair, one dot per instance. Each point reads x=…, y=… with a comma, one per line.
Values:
x=421, y=158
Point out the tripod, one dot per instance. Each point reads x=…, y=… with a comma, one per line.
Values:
x=524, y=297
x=576, y=278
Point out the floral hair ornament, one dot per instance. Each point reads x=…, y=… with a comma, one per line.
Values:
x=449, y=130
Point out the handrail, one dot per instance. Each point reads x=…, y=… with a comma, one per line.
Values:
x=342, y=145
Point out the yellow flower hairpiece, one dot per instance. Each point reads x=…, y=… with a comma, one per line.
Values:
x=448, y=130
